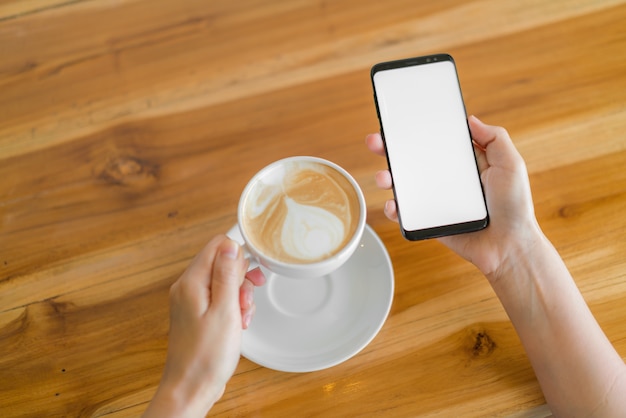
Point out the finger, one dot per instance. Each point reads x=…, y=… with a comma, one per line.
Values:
x=256, y=276
x=383, y=179
x=375, y=144
x=246, y=302
x=199, y=270
x=481, y=159
x=246, y=317
x=390, y=210
x=246, y=294
x=192, y=288
x=227, y=276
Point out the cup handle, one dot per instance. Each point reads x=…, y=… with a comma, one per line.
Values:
x=235, y=234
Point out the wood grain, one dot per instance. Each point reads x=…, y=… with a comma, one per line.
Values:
x=129, y=128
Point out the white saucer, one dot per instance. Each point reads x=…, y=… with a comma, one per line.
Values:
x=304, y=325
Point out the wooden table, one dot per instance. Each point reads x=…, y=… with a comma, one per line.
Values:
x=129, y=128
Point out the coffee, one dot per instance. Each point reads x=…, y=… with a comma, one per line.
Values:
x=300, y=212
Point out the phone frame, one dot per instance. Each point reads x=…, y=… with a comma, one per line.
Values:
x=443, y=230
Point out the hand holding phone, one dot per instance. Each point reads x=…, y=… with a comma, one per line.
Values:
x=429, y=149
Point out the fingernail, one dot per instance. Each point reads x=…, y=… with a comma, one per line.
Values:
x=230, y=249
x=476, y=119
x=246, y=320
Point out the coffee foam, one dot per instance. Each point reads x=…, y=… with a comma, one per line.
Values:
x=301, y=212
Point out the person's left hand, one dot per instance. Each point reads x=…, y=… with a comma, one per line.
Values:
x=210, y=304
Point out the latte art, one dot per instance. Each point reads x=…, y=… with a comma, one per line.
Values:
x=310, y=232
x=301, y=212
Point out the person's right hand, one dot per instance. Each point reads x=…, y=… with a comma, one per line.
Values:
x=513, y=226
x=210, y=304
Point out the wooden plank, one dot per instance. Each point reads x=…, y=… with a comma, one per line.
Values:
x=12, y=9
x=187, y=51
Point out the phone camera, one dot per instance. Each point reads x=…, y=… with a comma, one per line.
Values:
x=427, y=59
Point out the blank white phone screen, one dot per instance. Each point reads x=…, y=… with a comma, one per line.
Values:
x=430, y=152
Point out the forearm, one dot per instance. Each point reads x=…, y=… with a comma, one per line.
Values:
x=577, y=367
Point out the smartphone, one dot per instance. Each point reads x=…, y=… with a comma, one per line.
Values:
x=436, y=182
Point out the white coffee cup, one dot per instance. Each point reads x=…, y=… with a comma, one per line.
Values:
x=301, y=217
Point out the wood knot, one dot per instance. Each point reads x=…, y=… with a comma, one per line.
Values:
x=483, y=345
x=129, y=171
x=567, y=212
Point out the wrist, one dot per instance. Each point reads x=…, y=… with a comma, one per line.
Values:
x=182, y=400
x=531, y=281
x=521, y=249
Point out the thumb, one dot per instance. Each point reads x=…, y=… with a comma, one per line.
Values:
x=227, y=276
x=482, y=133
x=496, y=142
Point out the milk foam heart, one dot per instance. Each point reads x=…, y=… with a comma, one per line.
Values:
x=301, y=212
x=309, y=232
